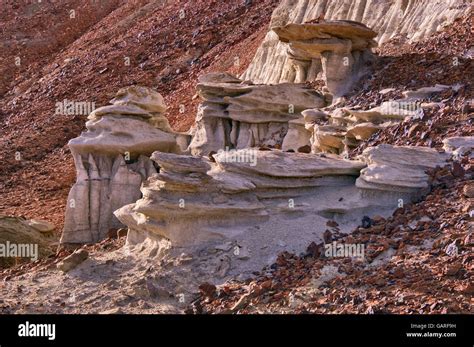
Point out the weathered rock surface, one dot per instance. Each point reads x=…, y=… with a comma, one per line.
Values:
x=335, y=51
x=111, y=161
x=413, y=19
x=16, y=231
x=238, y=115
x=399, y=169
x=42, y=226
x=459, y=145
x=253, y=199
x=297, y=136
x=426, y=92
x=343, y=129
x=217, y=195
x=71, y=262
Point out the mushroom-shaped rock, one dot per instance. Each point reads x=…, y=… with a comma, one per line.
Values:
x=112, y=161
x=229, y=197
x=339, y=49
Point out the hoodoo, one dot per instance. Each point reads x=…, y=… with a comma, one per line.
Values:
x=336, y=52
x=112, y=161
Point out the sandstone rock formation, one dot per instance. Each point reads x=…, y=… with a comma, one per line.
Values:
x=413, y=19
x=111, y=161
x=250, y=186
x=345, y=128
x=335, y=51
x=43, y=226
x=73, y=260
x=253, y=199
x=459, y=145
x=339, y=130
x=18, y=233
x=235, y=114
x=218, y=195
x=399, y=169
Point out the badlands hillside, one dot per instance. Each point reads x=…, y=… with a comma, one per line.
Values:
x=292, y=156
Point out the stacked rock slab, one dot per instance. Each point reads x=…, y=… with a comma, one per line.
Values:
x=401, y=169
x=111, y=160
x=237, y=115
x=194, y=200
x=343, y=129
x=337, y=52
x=266, y=201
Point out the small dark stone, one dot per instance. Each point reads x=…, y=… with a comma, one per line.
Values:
x=457, y=170
x=366, y=222
x=327, y=237
x=315, y=250
x=305, y=149
x=211, y=156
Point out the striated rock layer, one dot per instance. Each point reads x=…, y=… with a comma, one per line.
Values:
x=399, y=169
x=343, y=129
x=237, y=115
x=265, y=201
x=111, y=161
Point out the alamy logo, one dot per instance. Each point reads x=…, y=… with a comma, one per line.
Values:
x=19, y=250
x=238, y=156
x=37, y=330
x=344, y=250
x=401, y=108
x=74, y=108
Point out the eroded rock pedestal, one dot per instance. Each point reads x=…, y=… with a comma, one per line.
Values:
x=237, y=115
x=111, y=161
x=336, y=52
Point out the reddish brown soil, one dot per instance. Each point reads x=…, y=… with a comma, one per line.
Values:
x=84, y=59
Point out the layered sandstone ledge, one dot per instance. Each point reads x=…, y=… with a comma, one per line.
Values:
x=232, y=192
x=264, y=170
x=263, y=201
x=235, y=114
